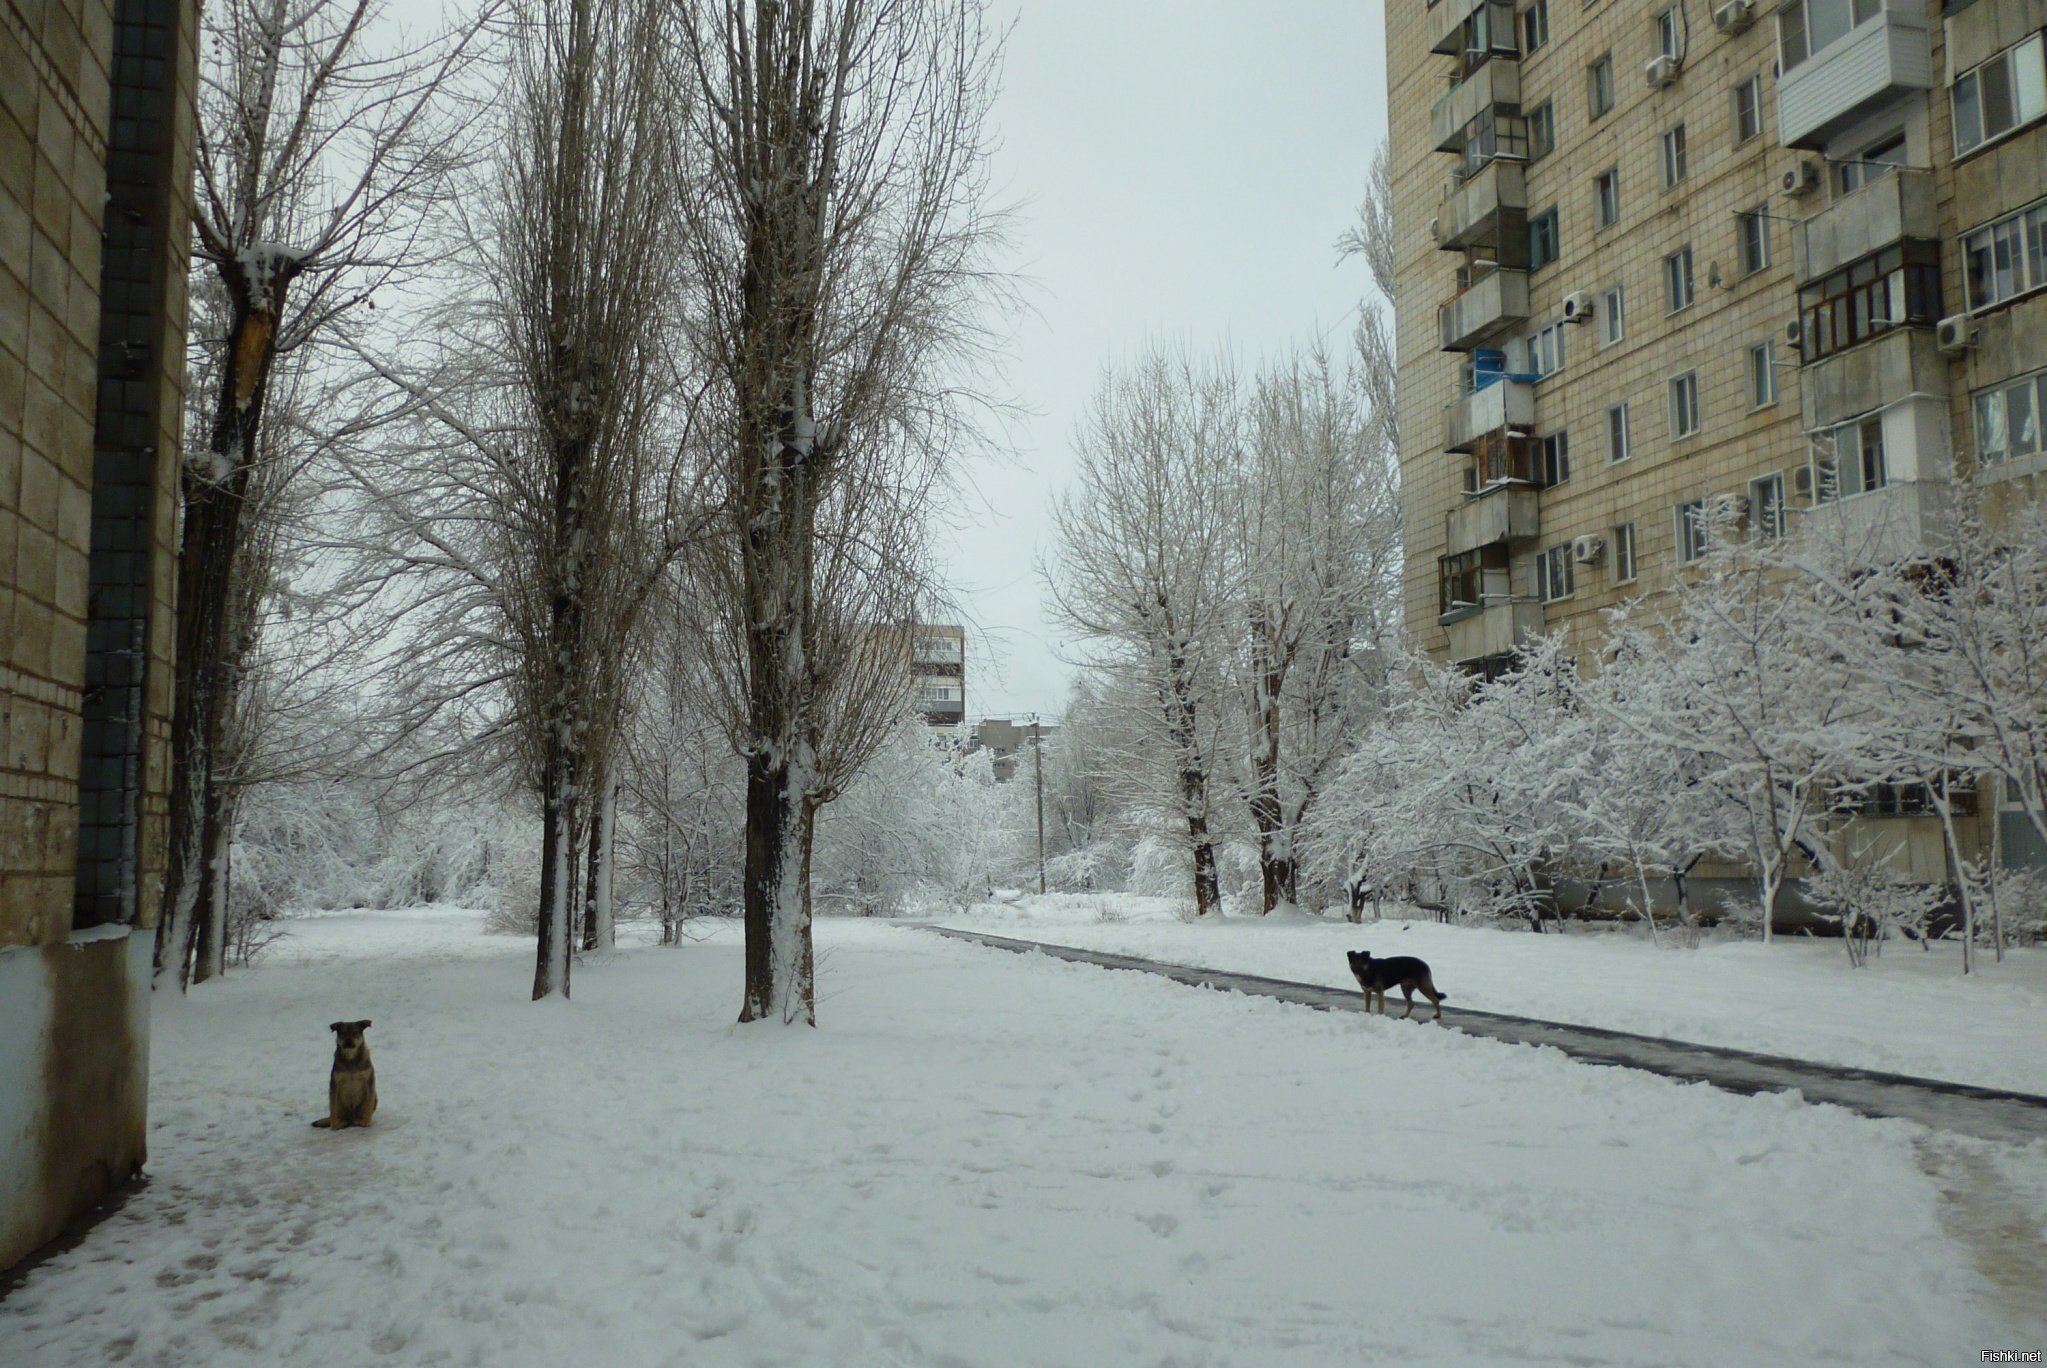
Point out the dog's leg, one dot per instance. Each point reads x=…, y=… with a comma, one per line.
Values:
x=1407, y=991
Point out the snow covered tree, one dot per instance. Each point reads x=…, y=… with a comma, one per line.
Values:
x=834, y=243
x=318, y=154
x=1141, y=568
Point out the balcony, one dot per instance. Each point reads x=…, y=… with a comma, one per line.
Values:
x=1495, y=305
x=1866, y=377
x=1492, y=203
x=1447, y=18
x=1497, y=407
x=1886, y=54
x=1886, y=211
x=1899, y=521
x=1495, y=629
x=1500, y=513
x=1495, y=85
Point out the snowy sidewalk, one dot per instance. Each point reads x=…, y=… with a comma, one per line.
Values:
x=977, y=1159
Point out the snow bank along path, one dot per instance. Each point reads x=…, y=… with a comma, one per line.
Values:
x=1987, y=1113
x=977, y=1159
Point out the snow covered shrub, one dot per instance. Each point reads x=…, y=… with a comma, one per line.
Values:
x=513, y=900
x=2021, y=904
x=1870, y=903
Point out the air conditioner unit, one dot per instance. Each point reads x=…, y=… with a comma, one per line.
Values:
x=1955, y=334
x=1794, y=334
x=1801, y=482
x=1587, y=550
x=1734, y=16
x=1661, y=71
x=1803, y=179
x=1577, y=307
x=1436, y=229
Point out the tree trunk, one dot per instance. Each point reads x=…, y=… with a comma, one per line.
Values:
x=780, y=959
x=209, y=917
x=598, y=932
x=551, y=966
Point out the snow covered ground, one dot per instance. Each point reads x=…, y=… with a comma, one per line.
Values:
x=1909, y=1011
x=981, y=1158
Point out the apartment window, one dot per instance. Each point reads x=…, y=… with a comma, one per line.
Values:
x=1606, y=198
x=1674, y=155
x=2008, y=419
x=2007, y=258
x=1684, y=404
x=1534, y=26
x=1553, y=573
x=1897, y=286
x=1807, y=27
x=938, y=693
x=1617, y=447
x=1677, y=279
x=1464, y=580
x=1690, y=522
x=1762, y=374
x=1545, y=351
x=1624, y=553
x=1752, y=234
x=1542, y=239
x=1857, y=464
x=1669, y=37
x=1500, y=458
x=1748, y=109
x=1613, y=319
x=2005, y=93
x=1766, y=507
x=1552, y=459
x=1873, y=163
x=1599, y=85
x=1489, y=136
x=1542, y=131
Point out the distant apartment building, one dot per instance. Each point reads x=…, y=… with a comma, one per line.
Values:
x=938, y=674
x=1008, y=742
x=1658, y=262
x=94, y=236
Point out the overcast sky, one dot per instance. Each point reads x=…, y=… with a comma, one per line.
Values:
x=1184, y=168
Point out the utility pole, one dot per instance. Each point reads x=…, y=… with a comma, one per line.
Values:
x=1038, y=771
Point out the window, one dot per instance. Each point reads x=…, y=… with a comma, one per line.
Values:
x=1677, y=279
x=1599, y=85
x=1545, y=351
x=1766, y=507
x=1500, y=458
x=1752, y=232
x=1874, y=163
x=1905, y=799
x=1856, y=465
x=1465, y=580
x=1553, y=573
x=1489, y=136
x=1674, y=155
x=2008, y=420
x=1897, y=286
x=2007, y=258
x=1684, y=404
x=1617, y=448
x=938, y=693
x=1552, y=460
x=1624, y=553
x=1606, y=198
x=1691, y=531
x=1534, y=26
x=1542, y=239
x=1542, y=131
x=1807, y=27
x=1762, y=374
x=1613, y=316
x=1669, y=37
x=2006, y=92
x=1748, y=109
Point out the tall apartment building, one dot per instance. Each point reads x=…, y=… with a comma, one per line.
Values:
x=938, y=674
x=96, y=138
x=1656, y=260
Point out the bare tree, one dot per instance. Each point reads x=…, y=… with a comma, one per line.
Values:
x=1142, y=567
x=318, y=155
x=835, y=236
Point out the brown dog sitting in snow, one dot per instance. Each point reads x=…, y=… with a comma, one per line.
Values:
x=1404, y=972
x=352, y=1087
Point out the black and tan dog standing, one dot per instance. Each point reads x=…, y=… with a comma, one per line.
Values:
x=1404, y=972
x=352, y=1087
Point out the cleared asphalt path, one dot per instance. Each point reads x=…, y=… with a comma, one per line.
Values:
x=1987, y=1113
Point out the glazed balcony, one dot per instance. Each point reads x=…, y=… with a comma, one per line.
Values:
x=1484, y=412
x=1496, y=86
x=1492, y=203
x=1500, y=513
x=1885, y=55
x=1447, y=19
x=1884, y=212
x=1495, y=305
x=1496, y=628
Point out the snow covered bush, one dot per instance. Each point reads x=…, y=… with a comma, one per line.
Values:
x=1871, y=904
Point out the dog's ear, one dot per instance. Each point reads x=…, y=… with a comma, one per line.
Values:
x=335, y=1026
x=363, y=1025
